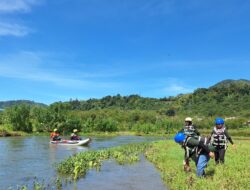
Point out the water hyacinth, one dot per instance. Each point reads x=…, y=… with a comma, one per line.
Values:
x=77, y=166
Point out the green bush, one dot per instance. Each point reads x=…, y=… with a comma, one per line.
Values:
x=106, y=125
x=144, y=128
x=19, y=118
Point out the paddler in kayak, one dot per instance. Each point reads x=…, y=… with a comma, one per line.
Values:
x=74, y=136
x=55, y=136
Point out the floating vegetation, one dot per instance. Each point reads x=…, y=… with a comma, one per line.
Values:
x=56, y=184
x=77, y=166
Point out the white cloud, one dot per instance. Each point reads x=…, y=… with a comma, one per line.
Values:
x=35, y=66
x=174, y=86
x=7, y=29
x=176, y=89
x=10, y=6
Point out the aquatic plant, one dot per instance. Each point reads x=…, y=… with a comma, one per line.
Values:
x=77, y=166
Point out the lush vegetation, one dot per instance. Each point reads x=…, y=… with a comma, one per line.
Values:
x=77, y=166
x=228, y=99
x=6, y=104
x=235, y=174
x=167, y=157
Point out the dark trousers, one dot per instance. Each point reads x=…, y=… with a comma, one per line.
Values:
x=219, y=155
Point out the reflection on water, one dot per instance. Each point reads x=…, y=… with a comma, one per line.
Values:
x=25, y=158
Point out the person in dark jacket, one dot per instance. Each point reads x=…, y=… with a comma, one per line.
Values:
x=200, y=150
x=74, y=136
x=219, y=138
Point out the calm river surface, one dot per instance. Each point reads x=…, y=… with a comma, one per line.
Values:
x=24, y=158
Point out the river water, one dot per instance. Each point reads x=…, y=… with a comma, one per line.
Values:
x=25, y=159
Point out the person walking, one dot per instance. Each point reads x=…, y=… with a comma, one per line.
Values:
x=189, y=130
x=219, y=138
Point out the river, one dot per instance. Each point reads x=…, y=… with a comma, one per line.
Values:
x=24, y=159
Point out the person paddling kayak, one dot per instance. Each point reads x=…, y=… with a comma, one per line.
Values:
x=74, y=136
x=55, y=136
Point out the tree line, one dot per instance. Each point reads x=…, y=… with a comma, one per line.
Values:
x=135, y=113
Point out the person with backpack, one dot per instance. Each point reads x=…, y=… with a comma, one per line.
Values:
x=190, y=131
x=219, y=138
x=198, y=149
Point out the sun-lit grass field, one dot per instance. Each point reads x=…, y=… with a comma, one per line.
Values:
x=234, y=174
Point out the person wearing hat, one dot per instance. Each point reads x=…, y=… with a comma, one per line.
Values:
x=55, y=136
x=189, y=130
x=74, y=136
x=219, y=138
x=199, y=150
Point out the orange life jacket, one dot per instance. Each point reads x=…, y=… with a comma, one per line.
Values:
x=54, y=134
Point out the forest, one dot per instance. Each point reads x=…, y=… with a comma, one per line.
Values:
x=229, y=99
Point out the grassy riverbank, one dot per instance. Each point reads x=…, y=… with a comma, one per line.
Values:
x=6, y=131
x=167, y=157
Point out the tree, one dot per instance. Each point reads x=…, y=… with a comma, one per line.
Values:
x=19, y=118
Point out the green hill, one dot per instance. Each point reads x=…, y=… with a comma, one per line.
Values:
x=131, y=102
x=5, y=104
x=228, y=97
x=229, y=83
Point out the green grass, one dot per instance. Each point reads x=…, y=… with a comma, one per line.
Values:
x=6, y=131
x=235, y=174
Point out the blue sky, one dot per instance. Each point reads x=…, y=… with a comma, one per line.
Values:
x=54, y=50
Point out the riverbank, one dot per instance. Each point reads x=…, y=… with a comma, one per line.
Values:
x=5, y=132
x=241, y=133
x=167, y=157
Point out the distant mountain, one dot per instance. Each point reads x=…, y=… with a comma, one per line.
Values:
x=5, y=104
x=229, y=82
x=228, y=97
x=118, y=102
